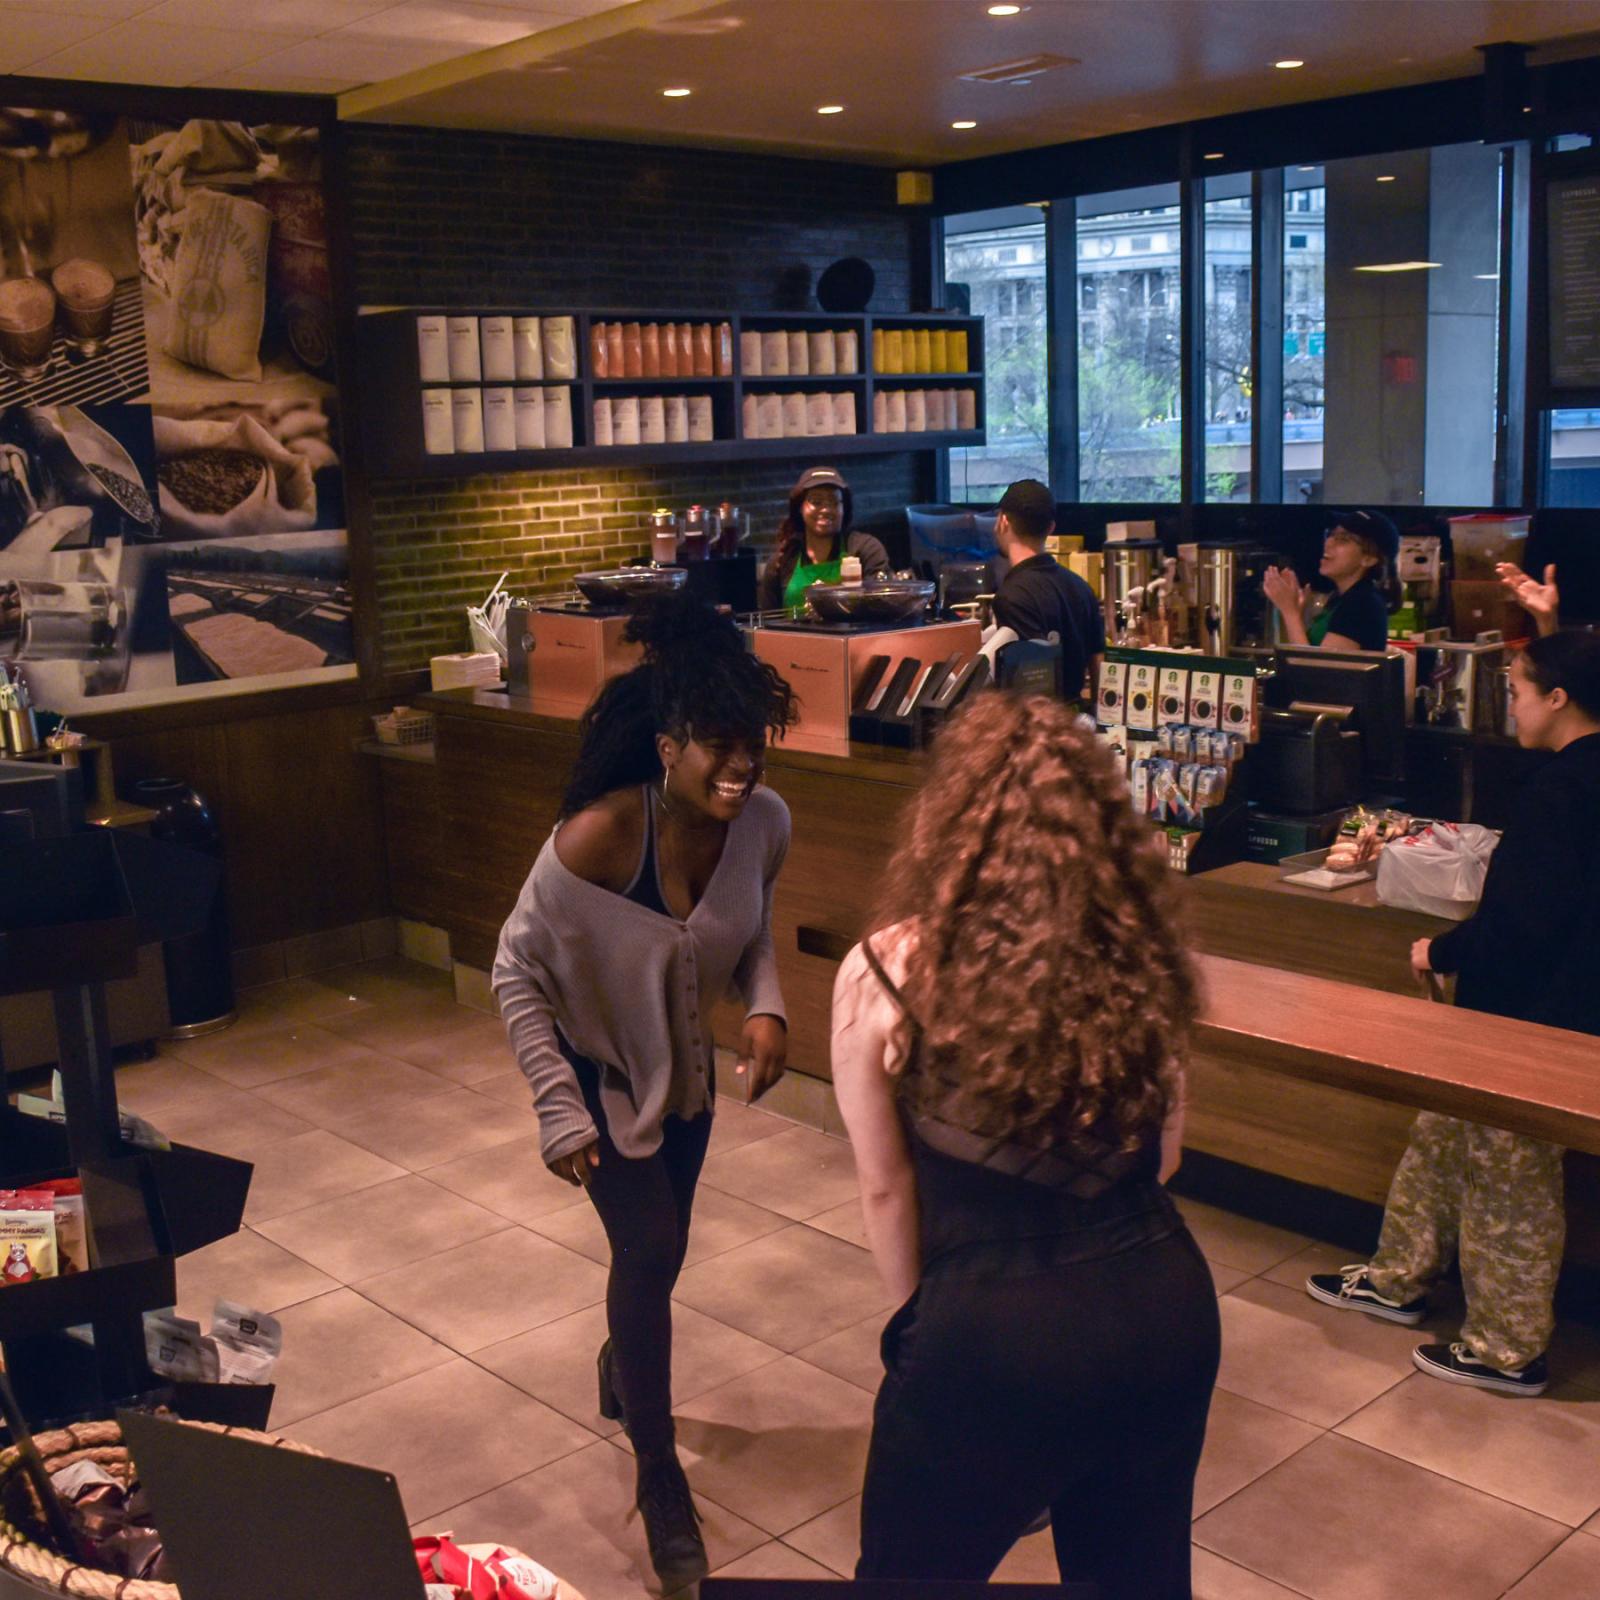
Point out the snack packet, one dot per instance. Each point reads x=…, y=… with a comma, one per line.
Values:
x=174, y=1347
x=247, y=1343
x=72, y=1238
x=27, y=1236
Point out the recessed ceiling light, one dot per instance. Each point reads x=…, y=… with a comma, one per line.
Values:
x=1386, y=177
x=1214, y=155
x=829, y=111
x=677, y=94
x=963, y=125
x=1487, y=277
x=1308, y=169
x=1287, y=66
x=1401, y=266
x=1004, y=11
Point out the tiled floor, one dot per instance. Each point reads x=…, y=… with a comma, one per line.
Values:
x=442, y=1295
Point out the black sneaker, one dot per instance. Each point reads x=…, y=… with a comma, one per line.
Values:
x=671, y=1523
x=1455, y=1363
x=1350, y=1289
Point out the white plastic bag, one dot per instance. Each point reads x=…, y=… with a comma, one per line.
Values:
x=1439, y=871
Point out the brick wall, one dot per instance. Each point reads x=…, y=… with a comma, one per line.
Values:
x=442, y=217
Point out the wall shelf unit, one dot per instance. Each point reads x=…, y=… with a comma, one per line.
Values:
x=390, y=368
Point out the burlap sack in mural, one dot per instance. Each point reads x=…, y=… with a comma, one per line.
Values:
x=219, y=287
x=221, y=480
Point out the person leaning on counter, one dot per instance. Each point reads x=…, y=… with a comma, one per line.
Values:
x=1039, y=597
x=1531, y=951
x=1358, y=549
x=814, y=537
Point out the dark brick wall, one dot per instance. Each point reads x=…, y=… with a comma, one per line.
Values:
x=440, y=217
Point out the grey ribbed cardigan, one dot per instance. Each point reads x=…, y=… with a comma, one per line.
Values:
x=632, y=989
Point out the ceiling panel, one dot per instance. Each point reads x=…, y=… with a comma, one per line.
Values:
x=299, y=18
x=27, y=35
x=150, y=52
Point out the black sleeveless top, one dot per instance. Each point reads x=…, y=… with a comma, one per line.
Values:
x=991, y=1207
x=645, y=890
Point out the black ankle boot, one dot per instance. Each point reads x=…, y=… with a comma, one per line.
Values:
x=610, y=1403
x=671, y=1523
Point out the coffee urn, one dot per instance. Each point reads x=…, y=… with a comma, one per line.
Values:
x=1129, y=566
x=1231, y=607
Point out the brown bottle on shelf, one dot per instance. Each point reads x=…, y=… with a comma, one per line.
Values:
x=670, y=360
x=650, y=366
x=703, y=364
x=599, y=355
x=615, y=361
x=632, y=351
x=722, y=350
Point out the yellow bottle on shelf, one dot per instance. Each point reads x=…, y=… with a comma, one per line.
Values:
x=939, y=350
x=923, y=360
x=877, y=349
x=894, y=350
x=958, y=351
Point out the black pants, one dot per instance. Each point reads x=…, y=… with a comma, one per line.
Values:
x=1083, y=1388
x=645, y=1206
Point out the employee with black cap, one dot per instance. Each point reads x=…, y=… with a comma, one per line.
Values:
x=1039, y=597
x=813, y=539
x=1358, y=548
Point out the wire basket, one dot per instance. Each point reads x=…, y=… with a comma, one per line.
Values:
x=24, y=1549
x=409, y=727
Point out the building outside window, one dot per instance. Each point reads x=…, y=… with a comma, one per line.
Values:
x=1227, y=338
x=1000, y=257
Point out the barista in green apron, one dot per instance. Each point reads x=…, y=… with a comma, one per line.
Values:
x=1356, y=554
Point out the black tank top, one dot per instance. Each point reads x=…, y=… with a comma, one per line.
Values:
x=645, y=890
x=989, y=1207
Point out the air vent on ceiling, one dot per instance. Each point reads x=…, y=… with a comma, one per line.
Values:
x=1020, y=70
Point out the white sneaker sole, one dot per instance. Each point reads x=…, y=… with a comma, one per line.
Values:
x=1340, y=1302
x=1523, y=1391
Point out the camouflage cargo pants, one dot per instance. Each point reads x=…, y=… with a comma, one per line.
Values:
x=1495, y=1197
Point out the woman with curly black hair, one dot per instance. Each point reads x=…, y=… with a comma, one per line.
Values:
x=652, y=897
x=1008, y=1055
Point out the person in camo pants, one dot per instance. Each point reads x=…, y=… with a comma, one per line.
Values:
x=1531, y=951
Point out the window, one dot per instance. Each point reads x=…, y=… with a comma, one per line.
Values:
x=1398, y=278
x=1227, y=346
x=1128, y=377
x=1000, y=257
x=1299, y=241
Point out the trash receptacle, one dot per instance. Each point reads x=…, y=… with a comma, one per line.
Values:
x=199, y=963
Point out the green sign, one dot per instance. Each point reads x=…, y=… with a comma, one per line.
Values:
x=1291, y=344
x=1318, y=342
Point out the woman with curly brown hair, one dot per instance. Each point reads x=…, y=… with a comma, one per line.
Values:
x=1008, y=1056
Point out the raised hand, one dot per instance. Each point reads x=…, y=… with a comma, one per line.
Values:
x=1542, y=601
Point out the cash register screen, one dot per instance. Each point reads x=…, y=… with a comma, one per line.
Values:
x=1370, y=684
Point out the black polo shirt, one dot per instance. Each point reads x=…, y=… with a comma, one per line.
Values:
x=1039, y=597
x=1360, y=613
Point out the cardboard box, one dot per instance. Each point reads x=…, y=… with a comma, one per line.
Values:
x=1090, y=565
x=1122, y=532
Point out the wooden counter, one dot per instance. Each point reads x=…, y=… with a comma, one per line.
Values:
x=1314, y=1077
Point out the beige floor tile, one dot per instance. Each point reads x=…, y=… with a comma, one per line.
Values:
x=833, y=1539
x=1339, y=1521
x=843, y=1222
x=1293, y=1271
x=448, y=1435
x=779, y=1445
x=1227, y=1278
x=374, y=1230
x=389, y=979
x=1281, y=1349
x=799, y=1173
x=156, y=1089
x=335, y=1097
x=268, y=1056
x=464, y=1055
x=852, y=1353
x=510, y=1088
x=511, y=1180
x=393, y=1024
x=1570, y=1571
x=249, y=1270
x=287, y=1004
x=339, y=1347
x=489, y=1289
x=1543, y=1454
x=577, y=1518
x=1030, y=1560
x=309, y=1169
x=556, y=1363
x=1216, y=1579
x=721, y=1223
x=776, y=1560
x=1238, y=1241
x=241, y=1126
x=788, y=1289
x=1243, y=1440
x=427, y=1132
x=737, y=1124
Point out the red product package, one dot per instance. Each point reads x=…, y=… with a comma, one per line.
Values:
x=487, y=1571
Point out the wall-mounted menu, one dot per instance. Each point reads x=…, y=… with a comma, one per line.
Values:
x=1573, y=238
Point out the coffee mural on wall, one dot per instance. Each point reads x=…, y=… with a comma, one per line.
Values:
x=171, y=485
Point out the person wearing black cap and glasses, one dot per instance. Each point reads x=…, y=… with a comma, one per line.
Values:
x=1359, y=547
x=814, y=537
x=1039, y=597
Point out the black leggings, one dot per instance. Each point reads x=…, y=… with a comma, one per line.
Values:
x=644, y=1205
x=1083, y=1388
